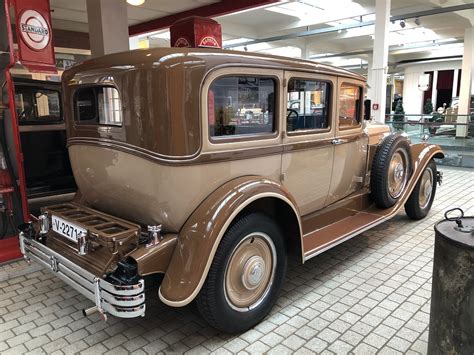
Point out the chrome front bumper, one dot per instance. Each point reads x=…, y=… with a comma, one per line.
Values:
x=124, y=301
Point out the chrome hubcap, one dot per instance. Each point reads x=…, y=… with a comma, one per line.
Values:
x=397, y=173
x=249, y=272
x=426, y=188
x=253, y=272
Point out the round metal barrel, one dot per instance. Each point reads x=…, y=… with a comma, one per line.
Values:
x=452, y=294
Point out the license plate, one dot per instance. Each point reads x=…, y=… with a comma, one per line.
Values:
x=66, y=228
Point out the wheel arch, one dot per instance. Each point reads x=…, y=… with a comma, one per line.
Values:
x=283, y=214
x=201, y=234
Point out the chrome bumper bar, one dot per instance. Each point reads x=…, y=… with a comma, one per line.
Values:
x=124, y=301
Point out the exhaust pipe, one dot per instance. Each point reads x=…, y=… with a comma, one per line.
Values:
x=89, y=311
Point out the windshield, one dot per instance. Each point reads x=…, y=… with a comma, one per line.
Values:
x=37, y=105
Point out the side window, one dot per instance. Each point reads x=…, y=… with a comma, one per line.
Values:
x=98, y=106
x=350, y=99
x=241, y=105
x=36, y=105
x=308, y=105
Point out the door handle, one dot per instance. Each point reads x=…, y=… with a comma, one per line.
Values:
x=338, y=141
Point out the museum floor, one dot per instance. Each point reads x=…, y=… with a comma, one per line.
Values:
x=369, y=294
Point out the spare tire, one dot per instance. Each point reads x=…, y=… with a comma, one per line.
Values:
x=391, y=169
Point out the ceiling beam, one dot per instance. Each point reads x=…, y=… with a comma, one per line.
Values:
x=318, y=31
x=212, y=10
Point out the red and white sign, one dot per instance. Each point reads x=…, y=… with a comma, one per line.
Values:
x=34, y=30
x=195, y=32
x=35, y=42
x=209, y=41
x=375, y=107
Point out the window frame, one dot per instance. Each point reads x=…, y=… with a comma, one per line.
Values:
x=252, y=136
x=330, y=109
x=36, y=121
x=77, y=122
x=361, y=106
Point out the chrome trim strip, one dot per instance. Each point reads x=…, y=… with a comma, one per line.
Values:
x=125, y=301
x=125, y=290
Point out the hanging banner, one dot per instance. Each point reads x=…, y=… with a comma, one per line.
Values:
x=34, y=37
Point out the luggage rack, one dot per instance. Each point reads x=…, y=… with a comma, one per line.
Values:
x=105, y=227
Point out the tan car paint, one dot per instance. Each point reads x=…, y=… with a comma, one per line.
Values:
x=162, y=166
x=349, y=164
x=329, y=235
x=149, y=193
x=200, y=236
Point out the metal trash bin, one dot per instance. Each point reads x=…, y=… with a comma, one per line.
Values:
x=452, y=295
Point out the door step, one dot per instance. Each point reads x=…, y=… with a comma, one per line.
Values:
x=324, y=238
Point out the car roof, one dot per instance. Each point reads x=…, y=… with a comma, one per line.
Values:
x=211, y=58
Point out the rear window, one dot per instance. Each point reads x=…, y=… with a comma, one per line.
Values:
x=241, y=106
x=37, y=105
x=98, y=105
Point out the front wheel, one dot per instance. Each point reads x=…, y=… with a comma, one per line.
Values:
x=246, y=275
x=419, y=203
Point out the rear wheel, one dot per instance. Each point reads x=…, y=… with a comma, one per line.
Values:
x=419, y=203
x=246, y=275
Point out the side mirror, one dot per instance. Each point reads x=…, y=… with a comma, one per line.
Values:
x=367, y=109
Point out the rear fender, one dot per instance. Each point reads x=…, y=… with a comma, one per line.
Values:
x=201, y=234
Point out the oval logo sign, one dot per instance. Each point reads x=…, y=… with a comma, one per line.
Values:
x=34, y=30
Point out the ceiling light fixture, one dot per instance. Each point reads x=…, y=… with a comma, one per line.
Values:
x=135, y=2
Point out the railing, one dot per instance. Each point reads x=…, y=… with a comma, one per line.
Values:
x=454, y=133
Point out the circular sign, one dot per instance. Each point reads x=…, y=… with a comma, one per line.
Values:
x=34, y=30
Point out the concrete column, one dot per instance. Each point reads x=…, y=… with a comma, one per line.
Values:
x=380, y=58
x=455, y=83
x=108, y=26
x=370, y=90
x=133, y=42
x=467, y=81
x=434, y=91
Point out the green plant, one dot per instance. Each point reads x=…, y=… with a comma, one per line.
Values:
x=428, y=108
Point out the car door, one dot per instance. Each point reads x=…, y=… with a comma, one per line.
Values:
x=309, y=130
x=350, y=143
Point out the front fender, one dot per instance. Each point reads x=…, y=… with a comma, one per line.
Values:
x=200, y=236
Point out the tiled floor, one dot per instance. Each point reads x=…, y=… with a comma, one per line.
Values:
x=369, y=294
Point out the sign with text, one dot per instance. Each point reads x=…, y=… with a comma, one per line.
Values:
x=195, y=32
x=35, y=40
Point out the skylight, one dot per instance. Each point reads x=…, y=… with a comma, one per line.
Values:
x=241, y=40
x=319, y=11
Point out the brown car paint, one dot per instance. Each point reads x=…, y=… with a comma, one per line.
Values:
x=200, y=236
x=163, y=117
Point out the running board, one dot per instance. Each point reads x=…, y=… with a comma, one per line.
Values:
x=322, y=239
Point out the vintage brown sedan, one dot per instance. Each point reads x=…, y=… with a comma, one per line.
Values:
x=173, y=184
